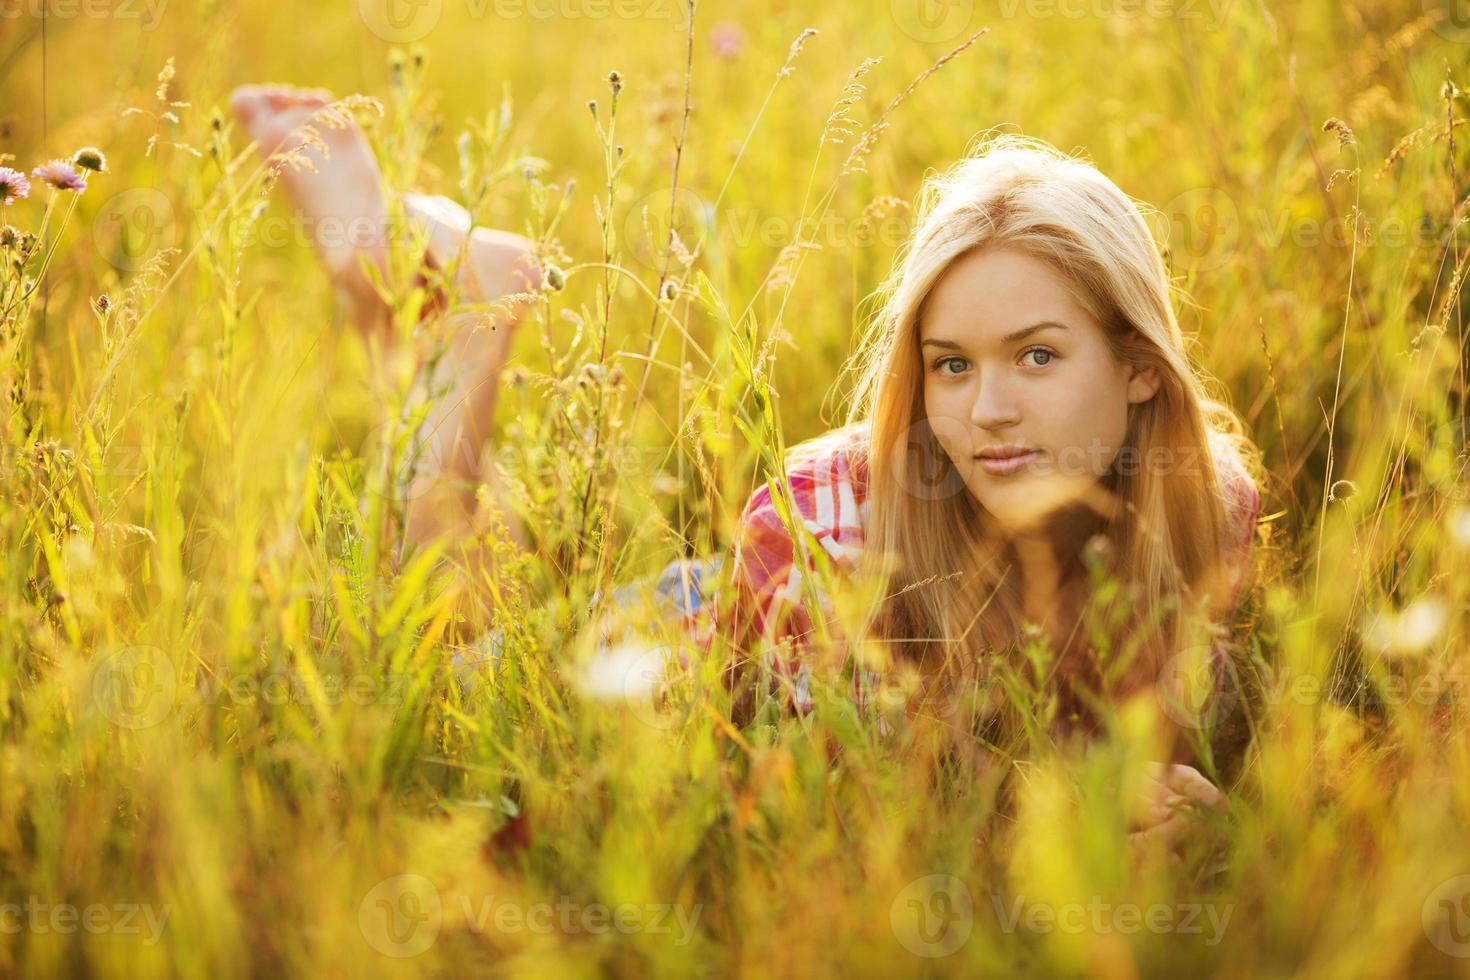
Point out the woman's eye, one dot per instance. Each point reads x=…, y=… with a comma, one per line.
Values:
x=1042, y=353
x=951, y=365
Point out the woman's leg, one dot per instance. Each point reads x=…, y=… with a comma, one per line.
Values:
x=342, y=205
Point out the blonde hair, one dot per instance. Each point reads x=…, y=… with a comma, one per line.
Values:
x=947, y=576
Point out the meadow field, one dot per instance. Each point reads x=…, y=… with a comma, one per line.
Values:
x=244, y=733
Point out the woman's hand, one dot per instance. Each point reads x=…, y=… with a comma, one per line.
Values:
x=1161, y=798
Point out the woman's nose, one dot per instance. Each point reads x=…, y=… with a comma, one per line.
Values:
x=995, y=404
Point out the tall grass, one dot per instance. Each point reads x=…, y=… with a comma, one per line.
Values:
x=232, y=701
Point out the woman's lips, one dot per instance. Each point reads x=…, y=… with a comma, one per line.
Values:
x=1003, y=466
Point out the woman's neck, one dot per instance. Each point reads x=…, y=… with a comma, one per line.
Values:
x=1053, y=576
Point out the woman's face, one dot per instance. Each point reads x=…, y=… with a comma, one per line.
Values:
x=1020, y=386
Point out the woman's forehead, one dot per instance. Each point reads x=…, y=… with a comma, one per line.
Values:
x=990, y=295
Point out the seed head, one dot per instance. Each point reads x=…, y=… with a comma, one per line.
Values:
x=9, y=237
x=1344, y=134
x=616, y=81
x=90, y=158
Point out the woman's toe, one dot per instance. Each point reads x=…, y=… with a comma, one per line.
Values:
x=245, y=102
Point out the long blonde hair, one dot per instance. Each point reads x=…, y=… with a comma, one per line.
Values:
x=948, y=577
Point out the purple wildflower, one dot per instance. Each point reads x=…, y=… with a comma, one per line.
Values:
x=62, y=175
x=13, y=186
x=727, y=39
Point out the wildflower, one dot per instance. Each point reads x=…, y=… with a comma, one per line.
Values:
x=62, y=175
x=1414, y=630
x=628, y=672
x=1097, y=550
x=90, y=158
x=555, y=278
x=102, y=303
x=13, y=186
x=616, y=81
x=1342, y=490
x=727, y=39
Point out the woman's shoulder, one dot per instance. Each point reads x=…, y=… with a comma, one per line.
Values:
x=1242, y=499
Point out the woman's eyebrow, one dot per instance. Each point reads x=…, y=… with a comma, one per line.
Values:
x=1009, y=338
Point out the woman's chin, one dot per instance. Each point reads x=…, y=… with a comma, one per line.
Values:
x=1026, y=503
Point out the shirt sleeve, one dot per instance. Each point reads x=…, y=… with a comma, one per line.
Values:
x=769, y=563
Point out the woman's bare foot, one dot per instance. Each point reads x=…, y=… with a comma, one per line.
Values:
x=341, y=202
x=337, y=195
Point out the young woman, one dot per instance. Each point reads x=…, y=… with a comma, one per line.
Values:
x=1027, y=427
x=1024, y=392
